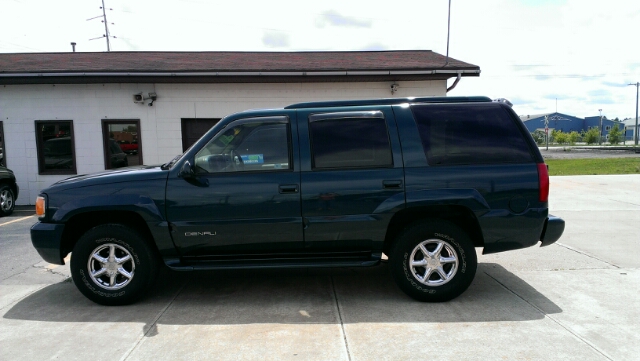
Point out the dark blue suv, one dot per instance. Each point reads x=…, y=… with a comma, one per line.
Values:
x=326, y=184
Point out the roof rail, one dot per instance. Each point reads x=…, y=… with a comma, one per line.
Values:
x=388, y=101
x=503, y=101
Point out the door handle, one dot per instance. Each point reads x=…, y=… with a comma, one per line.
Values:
x=288, y=188
x=392, y=184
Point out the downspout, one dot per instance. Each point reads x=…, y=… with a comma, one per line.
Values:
x=455, y=82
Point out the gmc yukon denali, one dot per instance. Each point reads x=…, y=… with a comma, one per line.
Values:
x=324, y=184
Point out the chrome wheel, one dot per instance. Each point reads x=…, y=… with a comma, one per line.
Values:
x=433, y=262
x=111, y=266
x=6, y=200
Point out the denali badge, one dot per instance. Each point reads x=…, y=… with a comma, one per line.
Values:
x=190, y=234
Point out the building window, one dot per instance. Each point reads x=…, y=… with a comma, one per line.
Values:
x=55, y=145
x=608, y=127
x=3, y=152
x=121, y=143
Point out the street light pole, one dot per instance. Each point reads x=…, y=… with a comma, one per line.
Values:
x=635, y=130
x=600, y=138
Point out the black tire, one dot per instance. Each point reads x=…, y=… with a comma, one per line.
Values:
x=446, y=274
x=7, y=200
x=133, y=256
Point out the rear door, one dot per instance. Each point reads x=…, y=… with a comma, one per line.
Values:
x=352, y=178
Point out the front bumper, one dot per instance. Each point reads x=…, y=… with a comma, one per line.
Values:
x=552, y=231
x=47, y=239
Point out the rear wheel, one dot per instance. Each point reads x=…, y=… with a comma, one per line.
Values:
x=433, y=261
x=113, y=265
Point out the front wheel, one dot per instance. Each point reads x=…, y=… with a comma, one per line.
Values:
x=7, y=199
x=113, y=265
x=433, y=261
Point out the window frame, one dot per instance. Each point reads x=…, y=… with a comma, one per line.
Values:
x=40, y=150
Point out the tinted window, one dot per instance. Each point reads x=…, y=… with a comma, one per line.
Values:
x=350, y=143
x=55, y=145
x=455, y=134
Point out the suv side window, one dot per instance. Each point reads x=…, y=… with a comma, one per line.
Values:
x=349, y=140
x=255, y=144
x=457, y=134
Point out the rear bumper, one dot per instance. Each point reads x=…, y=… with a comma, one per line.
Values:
x=47, y=239
x=553, y=229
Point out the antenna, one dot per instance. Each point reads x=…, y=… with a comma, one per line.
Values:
x=448, y=33
x=106, y=34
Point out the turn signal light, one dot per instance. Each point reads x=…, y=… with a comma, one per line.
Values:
x=40, y=206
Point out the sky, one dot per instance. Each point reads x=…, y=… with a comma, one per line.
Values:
x=573, y=56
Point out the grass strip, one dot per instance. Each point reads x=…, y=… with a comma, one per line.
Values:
x=593, y=166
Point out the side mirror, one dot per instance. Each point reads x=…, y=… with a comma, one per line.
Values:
x=187, y=171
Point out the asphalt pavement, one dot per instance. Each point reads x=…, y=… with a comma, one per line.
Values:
x=574, y=300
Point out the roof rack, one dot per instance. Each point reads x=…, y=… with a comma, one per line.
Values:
x=388, y=101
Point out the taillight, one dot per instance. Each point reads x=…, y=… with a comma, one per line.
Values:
x=40, y=206
x=543, y=182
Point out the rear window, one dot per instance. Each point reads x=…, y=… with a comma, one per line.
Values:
x=458, y=134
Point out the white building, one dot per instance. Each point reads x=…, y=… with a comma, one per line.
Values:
x=62, y=114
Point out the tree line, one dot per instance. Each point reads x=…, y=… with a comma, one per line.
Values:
x=589, y=136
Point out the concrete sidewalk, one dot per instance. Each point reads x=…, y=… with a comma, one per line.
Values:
x=574, y=300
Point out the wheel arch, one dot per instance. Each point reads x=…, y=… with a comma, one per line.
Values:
x=80, y=223
x=11, y=184
x=461, y=216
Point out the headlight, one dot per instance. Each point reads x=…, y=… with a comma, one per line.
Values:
x=41, y=206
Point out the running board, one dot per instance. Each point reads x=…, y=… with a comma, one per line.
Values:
x=272, y=263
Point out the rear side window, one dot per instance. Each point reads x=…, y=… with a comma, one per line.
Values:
x=457, y=134
x=349, y=140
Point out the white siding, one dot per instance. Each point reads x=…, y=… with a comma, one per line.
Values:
x=160, y=126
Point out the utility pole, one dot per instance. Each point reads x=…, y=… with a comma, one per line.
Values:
x=635, y=130
x=106, y=34
x=106, y=26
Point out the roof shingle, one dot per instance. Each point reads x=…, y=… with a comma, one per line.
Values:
x=118, y=62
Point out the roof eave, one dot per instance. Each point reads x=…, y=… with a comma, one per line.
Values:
x=234, y=76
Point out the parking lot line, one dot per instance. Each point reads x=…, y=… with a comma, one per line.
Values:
x=16, y=220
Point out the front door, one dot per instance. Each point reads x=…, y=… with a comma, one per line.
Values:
x=245, y=198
